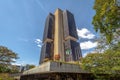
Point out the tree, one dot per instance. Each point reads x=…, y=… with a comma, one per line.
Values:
x=107, y=62
x=31, y=66
x=107, y=22
x=107, y=18
x=6, y=58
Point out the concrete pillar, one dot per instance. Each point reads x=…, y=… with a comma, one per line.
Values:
x=58, y=36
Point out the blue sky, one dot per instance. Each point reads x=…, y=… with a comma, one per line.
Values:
x=22, y=25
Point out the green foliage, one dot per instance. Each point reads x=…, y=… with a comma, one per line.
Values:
x=14, y=69
x=6, y=58
x=107, y=18
x=105, y=65
x=31, y=66
x=107, y=62
x=4, y=69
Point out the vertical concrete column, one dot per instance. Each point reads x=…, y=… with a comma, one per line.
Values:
x=58, y=36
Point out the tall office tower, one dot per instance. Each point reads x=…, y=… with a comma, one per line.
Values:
x=60, y=38
x=48, y=36
x=71, y=46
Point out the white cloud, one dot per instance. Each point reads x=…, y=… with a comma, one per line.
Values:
x=19, y=62
x=88, y=45
x=16, y=64
x=85, y=33
x=38, y=42
x=39, y=45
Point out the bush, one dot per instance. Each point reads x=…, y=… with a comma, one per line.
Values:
x=5, y=76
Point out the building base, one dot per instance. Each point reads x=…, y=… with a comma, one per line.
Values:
x=53, y=70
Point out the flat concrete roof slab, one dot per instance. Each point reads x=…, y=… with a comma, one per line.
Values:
x=54, y=66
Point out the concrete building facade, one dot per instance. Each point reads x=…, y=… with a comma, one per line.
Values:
x=60, y=38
